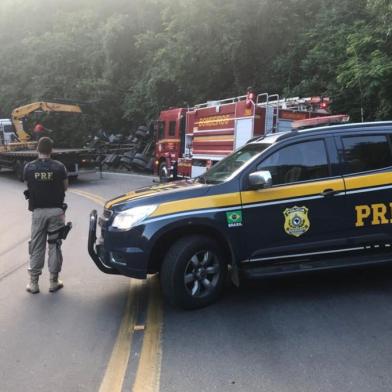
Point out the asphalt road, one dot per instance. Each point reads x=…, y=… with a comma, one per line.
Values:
x=319, y=332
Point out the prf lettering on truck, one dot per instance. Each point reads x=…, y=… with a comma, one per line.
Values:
x=373, y=214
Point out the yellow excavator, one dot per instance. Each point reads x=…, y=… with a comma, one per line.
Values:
x=16, y=149
x=19, y=113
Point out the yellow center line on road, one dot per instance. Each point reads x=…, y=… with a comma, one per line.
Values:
x=149, y=369
x=95, y=198
x=117, y=367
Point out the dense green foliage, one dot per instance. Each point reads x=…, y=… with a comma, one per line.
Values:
x=131, y=58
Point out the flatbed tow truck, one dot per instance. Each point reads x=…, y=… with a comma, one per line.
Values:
x=17, y=149
x=16, y=160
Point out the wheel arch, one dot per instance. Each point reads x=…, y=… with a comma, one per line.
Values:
x=163, y=159
x=167, y=239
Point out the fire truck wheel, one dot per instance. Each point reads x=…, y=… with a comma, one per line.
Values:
x=193, y=272
x=163, y=171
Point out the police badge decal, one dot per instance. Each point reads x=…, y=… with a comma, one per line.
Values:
x=296, y=221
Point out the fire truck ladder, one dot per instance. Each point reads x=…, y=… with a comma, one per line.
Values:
x=221, y=102
x=271, y=104
x=295, y=103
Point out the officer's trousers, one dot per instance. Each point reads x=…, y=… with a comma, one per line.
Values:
x=45, y=220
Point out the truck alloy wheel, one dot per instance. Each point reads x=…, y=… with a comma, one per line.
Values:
x=201, y=274
x=193, y=272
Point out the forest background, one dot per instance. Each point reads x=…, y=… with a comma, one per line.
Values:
x=129, y=59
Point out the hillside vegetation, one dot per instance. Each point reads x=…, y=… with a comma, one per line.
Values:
x=132, y=58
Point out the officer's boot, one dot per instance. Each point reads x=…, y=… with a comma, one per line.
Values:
x=55, y=283
x=33, y=287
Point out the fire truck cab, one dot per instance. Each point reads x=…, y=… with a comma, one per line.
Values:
x=189, y=141
x=170, y=137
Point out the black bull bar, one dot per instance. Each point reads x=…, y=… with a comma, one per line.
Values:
x=92, y=238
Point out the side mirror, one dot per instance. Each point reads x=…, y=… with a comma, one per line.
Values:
x=260, y=179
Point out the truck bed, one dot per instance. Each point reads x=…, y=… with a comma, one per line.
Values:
x=33, y=153
x=72, y=158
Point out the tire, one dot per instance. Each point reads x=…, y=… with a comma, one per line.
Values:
x=141, y=157
x=141, y=133
x=193, y=272
x=163, y=171
x=139, y=163
x=19, y=168
x=150, y=164
x=126, y=159
x=72, y=179
x=129, y=154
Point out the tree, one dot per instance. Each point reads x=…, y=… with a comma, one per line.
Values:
x=131, y=59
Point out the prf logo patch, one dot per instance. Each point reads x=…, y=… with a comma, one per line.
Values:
x=43, y=176
x=234, y=218
x=296, y=221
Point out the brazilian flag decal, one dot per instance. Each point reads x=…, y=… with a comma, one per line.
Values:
x=234, y=218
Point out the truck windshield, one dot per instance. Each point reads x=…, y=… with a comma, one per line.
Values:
x=8, y=128
x=161, y=130
x=226, y=167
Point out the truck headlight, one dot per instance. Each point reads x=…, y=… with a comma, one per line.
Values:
x=129, y=218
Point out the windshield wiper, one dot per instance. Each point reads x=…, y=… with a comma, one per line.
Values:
x=213, y=181
x=201, y=179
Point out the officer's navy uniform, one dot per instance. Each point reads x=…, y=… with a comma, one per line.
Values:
x=45, y=181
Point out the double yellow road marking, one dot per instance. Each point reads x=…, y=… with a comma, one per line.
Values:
x=91, y=196
x=149, y=367
x=118, y=363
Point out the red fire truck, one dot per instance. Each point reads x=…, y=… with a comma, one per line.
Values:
x=190, y=140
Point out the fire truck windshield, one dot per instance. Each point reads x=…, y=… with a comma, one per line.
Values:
x=227, y=167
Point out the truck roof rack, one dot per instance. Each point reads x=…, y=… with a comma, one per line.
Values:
x=293, y=103
x=220, y=102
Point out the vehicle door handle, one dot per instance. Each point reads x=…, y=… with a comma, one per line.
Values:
x=329, y=192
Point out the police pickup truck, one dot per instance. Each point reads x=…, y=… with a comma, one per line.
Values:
x=285, y=203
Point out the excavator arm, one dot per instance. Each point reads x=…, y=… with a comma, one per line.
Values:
x=22, y=111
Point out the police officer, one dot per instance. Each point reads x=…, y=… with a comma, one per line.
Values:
x=47, y=182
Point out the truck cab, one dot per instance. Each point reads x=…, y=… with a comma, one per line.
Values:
x=7, y=132
x=170, y=137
